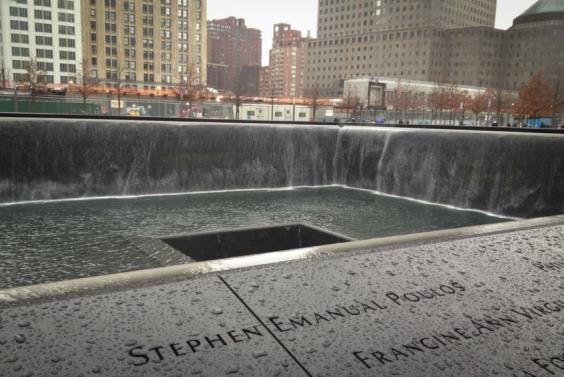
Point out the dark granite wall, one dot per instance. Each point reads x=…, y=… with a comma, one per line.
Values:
x=516, y=174
x=60, y=159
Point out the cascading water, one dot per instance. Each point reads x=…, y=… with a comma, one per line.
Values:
x=506, y=173
x=63, y=159
x=517, y=174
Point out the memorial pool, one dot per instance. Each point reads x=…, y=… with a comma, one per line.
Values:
x=52, y=241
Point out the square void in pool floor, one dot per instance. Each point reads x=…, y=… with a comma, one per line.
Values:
x=249, y=241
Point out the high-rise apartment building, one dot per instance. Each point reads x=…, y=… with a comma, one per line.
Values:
x=233, y=48
x=265, y=88
x=287, y=62
x=46, y=31
x=391, y=38
x=146, y=42
x=249, y=81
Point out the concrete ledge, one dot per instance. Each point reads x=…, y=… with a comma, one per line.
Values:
x=109, y=283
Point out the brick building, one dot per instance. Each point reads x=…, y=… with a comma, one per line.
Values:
x=265, y=88
x=233, y=49
x=287, y=62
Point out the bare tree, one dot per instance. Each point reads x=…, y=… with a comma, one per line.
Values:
x=272, y=94
x=413, y=103
x=351, y=102
x=500, y=102
x=536, y=97
x=34, y=77
x=3, y=74
x=396, y=99
x=86, y=82
x=464, y=99
x=438, y=100
x=408, y=101
x=119, y=82
x=312, y=95
x=478, y=104
x=558, y=98
x=237, y=93
x=453, y=97
x=187, y=82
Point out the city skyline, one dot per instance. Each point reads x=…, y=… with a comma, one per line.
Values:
x=263, y=15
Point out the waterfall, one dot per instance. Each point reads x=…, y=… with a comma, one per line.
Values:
x=518, y=174
x=506, y=173
x=379, y=170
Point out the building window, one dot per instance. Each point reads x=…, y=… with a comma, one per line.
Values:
x=20, y=51
x=66, y=17
x=20, y=38
x=68, y=30
x=41, y=53
x=111, y=39
x=65, y=4
x=18, y=25
x=20, y=64
x=68, y=67
x=43, y=28
x=67, y=55
x=42, y=14
x=45, y=66
x=21, y=77
x=18, y=12
x=66, y=42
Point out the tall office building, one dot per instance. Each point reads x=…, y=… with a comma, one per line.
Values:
x=287, y=62
x=47, y=31
x=145, y=43
x=233, y=49
x=391, y=38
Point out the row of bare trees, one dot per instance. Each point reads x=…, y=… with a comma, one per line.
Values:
x=449, y=103
x=35, y=80
x=87, y=83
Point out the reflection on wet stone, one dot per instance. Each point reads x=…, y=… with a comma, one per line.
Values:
x=425, y=319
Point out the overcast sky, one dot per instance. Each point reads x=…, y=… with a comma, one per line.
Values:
x=302, y=14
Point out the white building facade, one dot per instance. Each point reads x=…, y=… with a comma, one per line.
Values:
x=276, y=112
x=48, y=31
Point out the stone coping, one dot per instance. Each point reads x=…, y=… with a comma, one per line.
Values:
x=107, y=283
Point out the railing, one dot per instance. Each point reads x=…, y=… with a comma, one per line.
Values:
x=289, y=123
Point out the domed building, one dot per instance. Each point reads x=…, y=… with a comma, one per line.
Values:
x=535, y=43
x=488, y=57
x=542, y=11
